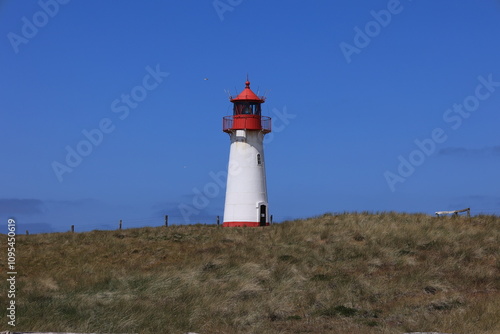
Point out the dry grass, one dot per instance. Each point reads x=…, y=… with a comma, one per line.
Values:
x=348, y=273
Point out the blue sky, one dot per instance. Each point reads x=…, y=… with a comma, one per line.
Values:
x=376, y=105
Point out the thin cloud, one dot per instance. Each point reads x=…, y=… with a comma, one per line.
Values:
x=464, y=151
x=78, y=203
x=16, y=206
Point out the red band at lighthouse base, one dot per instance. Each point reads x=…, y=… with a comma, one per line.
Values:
x=242, y=224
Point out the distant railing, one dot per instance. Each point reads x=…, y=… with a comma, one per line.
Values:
x=227, y=123
x=249, y=122
x=265, y=121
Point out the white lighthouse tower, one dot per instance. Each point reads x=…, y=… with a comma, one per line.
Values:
x=246, y=192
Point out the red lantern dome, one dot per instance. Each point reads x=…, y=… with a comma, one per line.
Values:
x=248, y=95
x=247, y=113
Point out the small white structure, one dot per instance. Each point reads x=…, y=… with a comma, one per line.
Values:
x=246, y=191
x=454, y=212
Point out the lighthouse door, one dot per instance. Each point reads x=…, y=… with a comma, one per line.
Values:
x=262, y=215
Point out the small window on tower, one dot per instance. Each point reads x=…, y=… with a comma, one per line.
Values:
x=259, y=160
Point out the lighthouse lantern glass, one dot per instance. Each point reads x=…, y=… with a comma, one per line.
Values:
x=246, y=108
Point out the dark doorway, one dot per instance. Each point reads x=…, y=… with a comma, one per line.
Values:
x=262, y=215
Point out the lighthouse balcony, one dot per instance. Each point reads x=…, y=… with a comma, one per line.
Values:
x=246, y=122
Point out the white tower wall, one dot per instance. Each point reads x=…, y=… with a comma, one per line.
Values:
x=246, y=190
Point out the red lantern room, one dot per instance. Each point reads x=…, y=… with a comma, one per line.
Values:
x=247, y=113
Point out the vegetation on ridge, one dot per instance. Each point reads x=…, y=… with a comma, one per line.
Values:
x=347, y=273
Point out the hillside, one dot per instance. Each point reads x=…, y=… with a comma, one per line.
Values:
x=347, y=273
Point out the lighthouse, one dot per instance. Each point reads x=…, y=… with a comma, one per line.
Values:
x=246, y=191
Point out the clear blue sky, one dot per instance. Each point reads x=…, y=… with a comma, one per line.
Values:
x=377, y=105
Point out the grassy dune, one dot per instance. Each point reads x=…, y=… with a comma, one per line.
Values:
x=348, y=273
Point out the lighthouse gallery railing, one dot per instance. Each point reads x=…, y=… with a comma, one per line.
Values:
x=250, y=122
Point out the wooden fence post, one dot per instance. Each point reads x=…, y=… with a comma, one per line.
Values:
x=166, y=220
x=271, y=219
x=218, y=221
x=120, y=226
x=73, y=228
